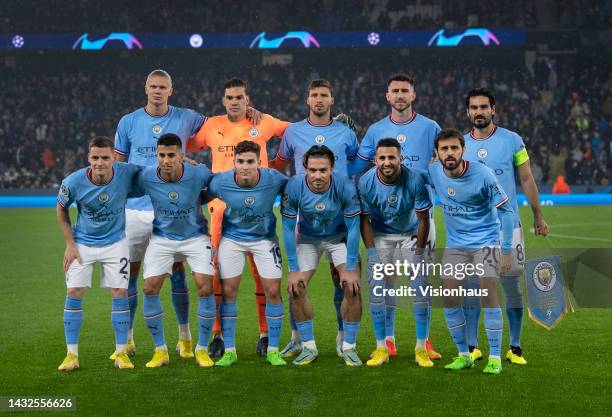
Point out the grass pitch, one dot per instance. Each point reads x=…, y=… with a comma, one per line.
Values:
x=568, y=372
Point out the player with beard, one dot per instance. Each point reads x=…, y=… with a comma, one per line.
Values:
x=474, y=205
x=318, y=129
x=415, y=133
x=504, y=152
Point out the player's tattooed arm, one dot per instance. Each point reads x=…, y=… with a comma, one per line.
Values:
x=255, y=115
x=533, y=196
x=63, y=219
x=422, y=231
x=120, y=157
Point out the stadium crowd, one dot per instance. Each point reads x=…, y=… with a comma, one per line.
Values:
x=330, y=15
x=564, y=114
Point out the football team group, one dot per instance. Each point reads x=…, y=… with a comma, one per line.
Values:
x=140, y=201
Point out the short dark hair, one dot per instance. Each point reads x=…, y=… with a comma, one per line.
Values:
x=321, y=83
x=247, y=146
x=169, y=139
x=235, y=82
x=448, y=134
x=389, y=143
x=480, y=92
x=319, y=151
x=101, y=142
x=400, y=77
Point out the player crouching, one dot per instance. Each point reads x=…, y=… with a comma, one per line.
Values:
x=249, y=226
x=100, y=192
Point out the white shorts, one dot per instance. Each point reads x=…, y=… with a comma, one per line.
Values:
x=114, y=271
x=309, y=250
x=518, y=253
x=393, y=247
x=162, y=253
x=483, y=262
x=138, y=229
x=266, y=254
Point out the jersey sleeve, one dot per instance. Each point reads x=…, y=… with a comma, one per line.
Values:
x=519, y=151
x=290, y=200
x=422, y=201
x=351, y=206
x=363, y=195
x=205, y=175
x=285, y=151
x=199, y=141
x=289, y=210
x=367, y=149
x=493, y=190
x=197, y=121
x=66, y=194
x=122, y=139
x=278, y=127
x=213, y=186
x=353, y=146
x=280, y=180
x=352, y=210
x=134, y=172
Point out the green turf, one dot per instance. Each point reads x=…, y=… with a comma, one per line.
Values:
x=568, y=372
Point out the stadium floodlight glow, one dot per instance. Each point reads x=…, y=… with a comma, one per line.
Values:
x=373, y=38
x=261, y=42
x=17, y=41
x=485, y=35
x=84, y=43
x=196, y=40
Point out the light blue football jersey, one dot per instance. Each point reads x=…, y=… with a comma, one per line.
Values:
x=101, y=208
x=249, y=214
x=469, y=204
x=392, y=207
x=301, y=136
x=320, y=214
x=502, y=151
x=176, y=205
x=416, y=137
x=137, y=135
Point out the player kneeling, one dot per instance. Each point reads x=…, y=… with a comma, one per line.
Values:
x=249, y=226
x=100, y=192
x=180, y=232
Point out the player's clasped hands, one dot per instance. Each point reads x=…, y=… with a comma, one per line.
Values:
x=503, y=266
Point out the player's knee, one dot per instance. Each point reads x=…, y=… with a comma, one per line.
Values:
x=150, y=287
x=75, y=292
x=119, y=292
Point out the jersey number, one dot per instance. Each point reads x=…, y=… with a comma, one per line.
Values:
x=124, y=264
x=276, y=253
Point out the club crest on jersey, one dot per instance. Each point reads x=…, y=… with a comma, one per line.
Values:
x=253, y=132
x=64, y=191
x=319, y=139
x=320, y=206
x=392, y=199
x=482, y=153
x=103, y=198
x=544, y=276
x=401, y=138
x=156, y=129
x=249, y=200
x=173, y=195
x=450, y=191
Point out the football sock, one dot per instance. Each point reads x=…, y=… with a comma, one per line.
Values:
x=420, y=309
x=120, y=319
x=274, y=318
x=132, y=294
x=206, y=317
x=514, y=308
x=306, y=331
x=180, y=300
x=471, y=310
x=338, y=297
x=494, y=324
x=229, y=315
x=73, y=318
x=350, y=334
x=455, y=321
x=154, y=317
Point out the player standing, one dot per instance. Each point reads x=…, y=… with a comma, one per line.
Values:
x=100, y=192
x=318, y=129
x=474, y=204
x=504, y=152
x=135, y=141
x=179, y=231
x=416, y=134
x=249, y=227
x=328, y=209
x=395, y=214
x=221, y=134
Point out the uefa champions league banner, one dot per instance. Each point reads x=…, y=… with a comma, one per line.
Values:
x=265, y=40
